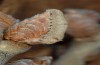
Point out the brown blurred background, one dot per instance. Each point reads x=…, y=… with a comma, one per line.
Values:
x=25, y=8
x=32, y=7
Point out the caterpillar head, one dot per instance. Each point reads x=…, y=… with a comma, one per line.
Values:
x=46, y=28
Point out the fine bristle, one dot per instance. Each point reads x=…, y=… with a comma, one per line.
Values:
x=57, y=25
